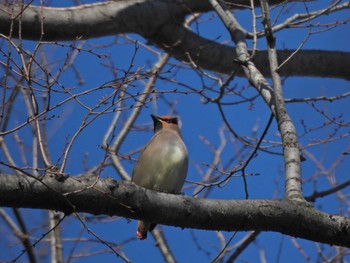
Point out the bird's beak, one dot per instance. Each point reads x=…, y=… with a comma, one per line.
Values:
x=155, y=117
x=157, y=123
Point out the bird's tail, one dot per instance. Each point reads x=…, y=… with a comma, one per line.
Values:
x=142, y=229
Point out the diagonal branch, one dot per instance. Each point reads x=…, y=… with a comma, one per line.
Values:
x=291, y=152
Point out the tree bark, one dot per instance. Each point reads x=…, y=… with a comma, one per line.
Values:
x=96, y=196
x=160, y=22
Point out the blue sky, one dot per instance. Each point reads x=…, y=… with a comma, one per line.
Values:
x=199, y=120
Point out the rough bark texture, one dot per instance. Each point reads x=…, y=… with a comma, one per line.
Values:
x=286, y=126
x=106, y=196
x=160, y=22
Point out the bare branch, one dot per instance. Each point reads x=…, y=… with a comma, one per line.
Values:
x=110, y=197
x=118, y=17
x=286, y=126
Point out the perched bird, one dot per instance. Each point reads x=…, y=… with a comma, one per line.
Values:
x=162, y=164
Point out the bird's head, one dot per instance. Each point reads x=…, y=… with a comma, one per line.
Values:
x=165, y=122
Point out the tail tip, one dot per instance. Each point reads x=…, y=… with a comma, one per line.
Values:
x=140, y=236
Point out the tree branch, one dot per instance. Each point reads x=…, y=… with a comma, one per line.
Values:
x=107, y=196
x=286, y=126
x=161, y=23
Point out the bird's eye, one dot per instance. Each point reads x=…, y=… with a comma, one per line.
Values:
x=173, y=121
x=170, y=121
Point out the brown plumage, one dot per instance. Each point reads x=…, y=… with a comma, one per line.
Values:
x=162, y=164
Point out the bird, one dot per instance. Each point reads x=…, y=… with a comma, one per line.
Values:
x=162, y=164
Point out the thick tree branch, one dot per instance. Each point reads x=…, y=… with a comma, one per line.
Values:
x=185, y=45
x=107, y=196
x=161, y=23
x=104, y=18
x=100, y=19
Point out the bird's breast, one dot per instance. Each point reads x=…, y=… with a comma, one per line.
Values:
x=163, y=164
x=173, y=154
